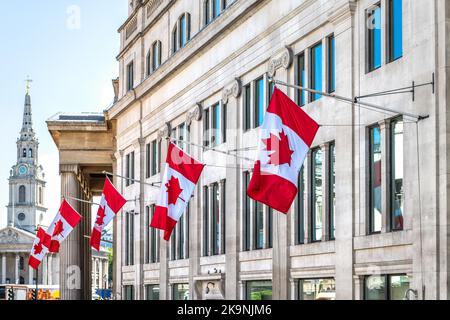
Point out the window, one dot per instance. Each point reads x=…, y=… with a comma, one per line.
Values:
x=259, y=102
x=374, y=37
x=397, y=192
x=30, y=153
x=317, y=195
x=129, y=168
x=41, y=196
x=215, y=118
x=316, y=71
x=386, y=287
x=206, y=132
x=24, y=153
x=180, y=291
x=148, y=62
x=317, y=289
x=247, y=203
x=148, y=160
x=180, y=238
x=300, y=225
x=258, y=223
x=128, y=293
x=332, y=191
x=129, y=239
x=21, y=263
x=130, y=76
x=152, y=237
x=181, y=33
x=331, y=64
x=214, y=219
x=301, y=79
x=270, y=91
x=395, y=29
x=270, y=228
x=247, y=108
x=212, y=9
x=217, y=8
x=375, y=214
x=22, y=194
x=156, y=55
x=259, y=290
x=152, y=292
x=207, y=12
x=156, y=157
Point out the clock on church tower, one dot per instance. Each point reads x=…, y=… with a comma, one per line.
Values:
x=26, y=206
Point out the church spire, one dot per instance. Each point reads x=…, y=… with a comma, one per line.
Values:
x=27, y=126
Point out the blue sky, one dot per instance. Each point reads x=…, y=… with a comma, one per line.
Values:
x=68, y=48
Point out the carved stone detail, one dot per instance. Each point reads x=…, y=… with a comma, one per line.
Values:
x=9, y=236
x=284, y=60
x=234, y=90
x=165, y=132
x=194, y=114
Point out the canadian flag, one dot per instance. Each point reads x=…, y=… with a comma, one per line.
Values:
x=180, y=178
x=39, y=249
x=286, y=136
x=63, y=224
x=110, y=204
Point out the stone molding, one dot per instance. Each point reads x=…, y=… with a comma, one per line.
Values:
x=165, y=132
x=195, y=114
x=281, y=60
x=234, y=90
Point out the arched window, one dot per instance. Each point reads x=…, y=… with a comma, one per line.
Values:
x=212, y=9
x=156, y=55
x=181, y=33
x=24, y=153
x=30, y=153
x=22, y=194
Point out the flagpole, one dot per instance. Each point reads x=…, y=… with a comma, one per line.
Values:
x=134, y=180
x=353, y=101
x=37, y=275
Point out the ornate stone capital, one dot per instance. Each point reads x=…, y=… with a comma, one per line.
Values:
x=234, y=90
x=283, y=59
x=68, y=168
x=165, y=132
x=194, y=114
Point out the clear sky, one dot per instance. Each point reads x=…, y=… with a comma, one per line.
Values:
x=68, y=48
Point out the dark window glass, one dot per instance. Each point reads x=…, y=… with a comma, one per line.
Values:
x=207, y=12
x=375, y=180
x=331, y=64
x=22, y=194
x=301, y=79
x=271, y=90
x=269, y=227
x=317, y=289
x=128, y=292
x=259, y=225
x=398, y=285
x=259, y=102
x=180, y=291
x=206, y=133
x=247, y=201
x=374, y=38
x=397, y=192
x=332, y=192
x=130, y=76
x=301, y=208
x=216, y=8
x=155, y=157
x=181, y=231
x=154, y=239
x=223, y=215
x=395, y=29
x=317, y=195
x=148, y=160
x=224, y=123
x=127, y=169
x=216, y=220
x=175, y=39
x=316, y=71
x=132, y=167
x=148, y=63
x=152, y=292
x=259, y=290
x=156, y=54
x=205, y=221
x=183, y=31
x=247, y=108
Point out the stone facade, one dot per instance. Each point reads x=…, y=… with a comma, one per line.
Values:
x=250, y=40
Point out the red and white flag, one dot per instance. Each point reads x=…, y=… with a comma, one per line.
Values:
x=180, y=178
x=110, y=204
x=63, y=224
x=286, y=136
x=39, y=249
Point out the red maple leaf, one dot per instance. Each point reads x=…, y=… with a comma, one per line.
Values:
x=58, y=228
x=174, y=190
x=38, y=248
x=282, y=153
x=100, y=216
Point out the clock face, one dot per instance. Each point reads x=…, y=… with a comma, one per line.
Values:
x=23, y=170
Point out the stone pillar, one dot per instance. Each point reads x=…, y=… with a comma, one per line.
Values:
x=16, y=277
x=4, y=268
x=30, y=275
x=44, y=271
x=118, y=168
x=75, y=254
x=50, y=269
x=232, y=193
x=100, y=273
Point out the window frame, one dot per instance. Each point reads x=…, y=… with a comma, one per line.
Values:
x=313, y=213
x=130, y=76
x=316, y=96
x=371, y=39
x=391, y=30
x=301, y=79
x=331, y=58
x=392, y=171
x=372, y=174
x=332, y=191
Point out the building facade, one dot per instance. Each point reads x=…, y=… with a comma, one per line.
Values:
x=371, y=217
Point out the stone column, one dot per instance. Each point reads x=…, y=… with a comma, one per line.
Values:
x=71, y=250
x=4, y=268
x=44, y=271
x=232, y=193
x=118, y=168
x=100, y=273
x=50, y=269
x=16, y=279
x=30, y=275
